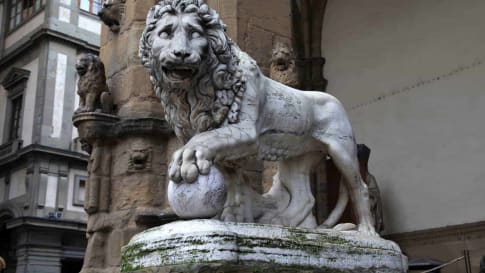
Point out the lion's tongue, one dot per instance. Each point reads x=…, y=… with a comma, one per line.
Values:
x=181, y=73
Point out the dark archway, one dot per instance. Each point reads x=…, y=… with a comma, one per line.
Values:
x=307, y=17
x=7, y=251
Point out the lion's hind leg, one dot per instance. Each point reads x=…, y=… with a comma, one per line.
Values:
x=343, y=152
x=239, y=199
x=294, y=175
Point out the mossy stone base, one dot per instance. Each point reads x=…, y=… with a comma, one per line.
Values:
x=210, y=246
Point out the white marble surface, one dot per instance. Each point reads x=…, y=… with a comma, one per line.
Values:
x=259, y=246
x=204, y=197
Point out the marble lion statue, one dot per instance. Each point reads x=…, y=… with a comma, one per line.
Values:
x=225, y=110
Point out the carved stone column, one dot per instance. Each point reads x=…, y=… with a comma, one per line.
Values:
x=127, y=170
x=125, y=193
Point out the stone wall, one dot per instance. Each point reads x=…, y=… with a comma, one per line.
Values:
x=412, y=83
x=411, y=75
x=256, y=25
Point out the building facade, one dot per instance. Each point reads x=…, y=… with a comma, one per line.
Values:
x=42, y=168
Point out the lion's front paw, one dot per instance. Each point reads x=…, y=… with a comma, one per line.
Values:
x=187, y=163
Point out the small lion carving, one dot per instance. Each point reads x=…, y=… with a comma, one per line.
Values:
x=94, y=94
x=225, y=110
x=111, y=13
x=283, y=68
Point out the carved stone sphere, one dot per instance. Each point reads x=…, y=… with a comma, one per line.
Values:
x=201, y=199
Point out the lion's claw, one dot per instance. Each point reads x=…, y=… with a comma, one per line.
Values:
x=187, y=163
x=189, y=172
x=174, y=173
x=204, y=166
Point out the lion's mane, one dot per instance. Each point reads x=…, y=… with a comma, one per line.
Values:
x=216, y=96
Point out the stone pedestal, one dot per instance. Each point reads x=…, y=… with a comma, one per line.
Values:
x=213, y=246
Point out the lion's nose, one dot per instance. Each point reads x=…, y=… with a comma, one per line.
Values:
x=181, y=53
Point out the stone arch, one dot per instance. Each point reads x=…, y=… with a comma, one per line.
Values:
x=6, y=213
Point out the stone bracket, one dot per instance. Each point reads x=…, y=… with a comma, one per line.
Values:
x=100, y=126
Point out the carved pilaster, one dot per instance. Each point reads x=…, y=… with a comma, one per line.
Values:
x=116, y=206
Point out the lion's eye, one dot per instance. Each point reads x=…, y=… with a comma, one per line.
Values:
x=196, y=35
x=163, y=35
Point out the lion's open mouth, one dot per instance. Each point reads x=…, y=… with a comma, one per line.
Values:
x=179, y=73
x=81, y=69
x=280, y=63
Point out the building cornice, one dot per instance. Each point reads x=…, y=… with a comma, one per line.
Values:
x=41, y=149
x=441, y=234
x=46, y=223
x=43, y=33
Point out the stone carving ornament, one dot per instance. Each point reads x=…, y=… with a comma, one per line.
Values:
x=224, y=110
x=283, y=67
x=94, y=94
x=111, y=14
x=140, y=159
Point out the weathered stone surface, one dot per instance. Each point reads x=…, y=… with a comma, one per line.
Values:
x=122, y=52
x=137, y=10
x=111, y=14
x=270, y=169
x=202, y=199
x=283, y=66
x=214, y=246
x=126, y=189
x=92, y=125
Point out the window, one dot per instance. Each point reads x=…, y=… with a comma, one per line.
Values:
x=15, y=118
x=92, y=6
x=79, y=190
x=22, y=10
x=15, y=83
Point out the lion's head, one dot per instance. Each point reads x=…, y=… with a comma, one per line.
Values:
x=283, y=68
x=89, y=63
x=193, y=66
x=282, y=57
